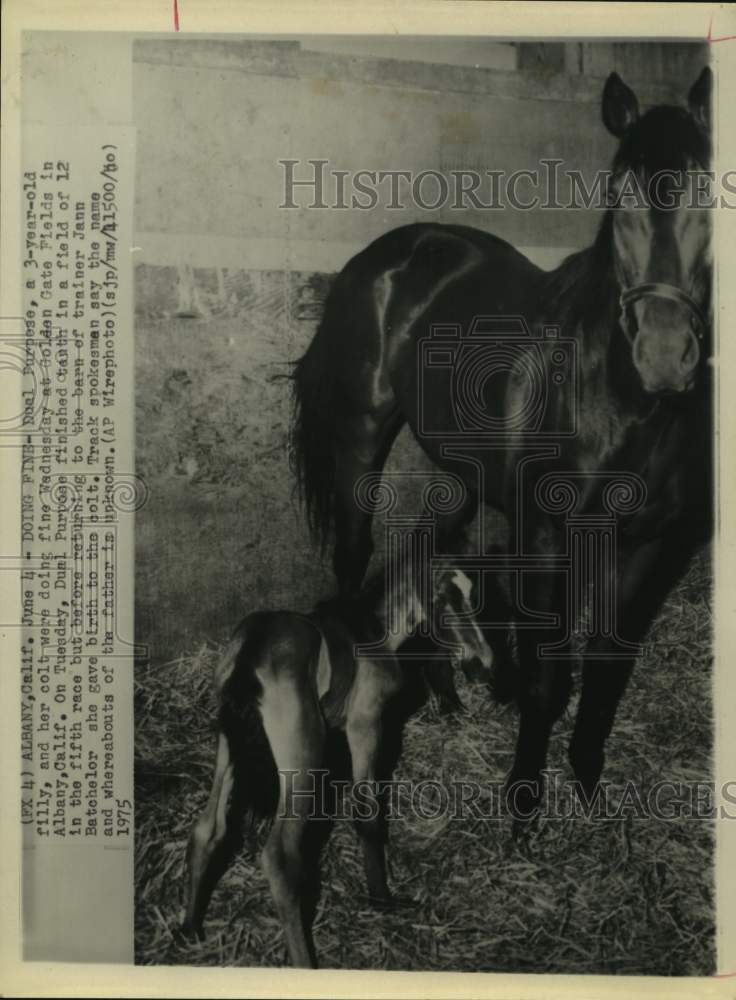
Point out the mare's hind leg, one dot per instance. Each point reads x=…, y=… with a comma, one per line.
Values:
x=365, y=441
x=295, y=731
x=375, y=684
x=206, y=854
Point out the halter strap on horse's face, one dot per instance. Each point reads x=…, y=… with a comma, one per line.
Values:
x=662, y=291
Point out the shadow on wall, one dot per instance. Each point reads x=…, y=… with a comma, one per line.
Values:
x=223, y=533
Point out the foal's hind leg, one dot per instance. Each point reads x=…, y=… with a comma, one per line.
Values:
x=295, y=731
x=207, y=842
x=375, y=684
x=365, y=441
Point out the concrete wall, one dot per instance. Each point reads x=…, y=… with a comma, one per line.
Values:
x=229, y=286
x=215, y=117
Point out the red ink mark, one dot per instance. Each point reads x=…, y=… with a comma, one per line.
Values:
x=176, y=17
x=723, y=975
x=710, y=39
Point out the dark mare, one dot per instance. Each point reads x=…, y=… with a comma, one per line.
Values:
x=616, y=445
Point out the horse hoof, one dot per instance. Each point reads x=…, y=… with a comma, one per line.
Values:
x=186, y=933
x=383, y=903
x=522, y=802
x=591, y=796
x=390, y=903
x=404, y=902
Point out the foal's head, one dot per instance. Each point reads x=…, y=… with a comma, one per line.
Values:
x=453, y=615
x=661, y=231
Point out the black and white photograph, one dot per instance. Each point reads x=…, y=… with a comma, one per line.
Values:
x=381, y=305
x=371, y=451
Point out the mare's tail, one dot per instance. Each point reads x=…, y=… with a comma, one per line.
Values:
x=314, y=432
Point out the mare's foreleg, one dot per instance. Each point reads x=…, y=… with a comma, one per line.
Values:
x=647, y=575
x=544, y=682
x=544, y=693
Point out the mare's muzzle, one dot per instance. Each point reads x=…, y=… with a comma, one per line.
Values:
x=665, y=334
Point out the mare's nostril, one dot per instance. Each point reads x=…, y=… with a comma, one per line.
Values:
x=690, y=355
x=639, y=351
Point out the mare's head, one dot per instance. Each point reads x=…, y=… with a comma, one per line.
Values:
x=453, y=615
x=661, y=235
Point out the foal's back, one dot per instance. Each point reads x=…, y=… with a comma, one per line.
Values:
x=267, y=648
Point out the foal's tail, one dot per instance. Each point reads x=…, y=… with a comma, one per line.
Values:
x=314, y=432
x=256, y=776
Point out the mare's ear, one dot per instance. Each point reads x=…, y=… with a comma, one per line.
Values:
x=699, y=98
x=619, y=107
